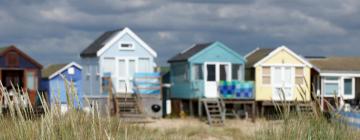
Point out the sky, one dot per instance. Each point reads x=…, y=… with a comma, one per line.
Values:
x=57, y=31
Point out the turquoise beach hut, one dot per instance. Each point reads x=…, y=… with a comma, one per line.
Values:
x=206, y=71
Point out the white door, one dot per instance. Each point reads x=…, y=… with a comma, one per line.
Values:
x=214, y=73
x=282, y=79
x=126, y=68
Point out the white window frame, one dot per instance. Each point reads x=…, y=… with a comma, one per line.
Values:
x=132, y=47
x=262, y=75
x=217, y=68
x=325, y=81
x=352, y=96
x=194, y=72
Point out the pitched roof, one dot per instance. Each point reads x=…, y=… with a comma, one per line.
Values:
x=339, y=64
x=55, y=69
x=256, y=55
x=186, y=54
x=4, y=50
x=49, y=70
x=95, y=46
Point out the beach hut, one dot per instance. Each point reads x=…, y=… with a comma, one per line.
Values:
x=112, y=62
x=205, y=71
x=336, y=77
x=19, y=69
x=280, y=75
x=63, y=83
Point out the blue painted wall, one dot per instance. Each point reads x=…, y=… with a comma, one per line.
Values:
x=91, y=81
x=188, y=88
x=56, y=87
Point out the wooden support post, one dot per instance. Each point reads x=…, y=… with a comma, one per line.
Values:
x=253, y=113
x=262, y=110
x=199, y=107
x=191, y=108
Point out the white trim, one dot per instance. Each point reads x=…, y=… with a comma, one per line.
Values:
x=64, y=68
x=341, y=87
x=280, y=49
x=113, y=40
x=252, y=52
x=340, y=74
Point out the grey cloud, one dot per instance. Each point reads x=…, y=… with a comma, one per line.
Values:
x=67, y=27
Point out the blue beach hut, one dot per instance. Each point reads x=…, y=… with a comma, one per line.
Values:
x=62, y=82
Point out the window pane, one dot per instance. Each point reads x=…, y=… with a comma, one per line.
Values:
x=30, y=80
x=122, y=68
x=347, y=86
x=287, y=75
x=211, y=76
x=332, y=78
x=277, y=75
x=144, y=65
x=224, y=72
x=132, y=68
x=236, y=71
x=108, y=66
x=266, y=70
x=331, y=89
x=198, y=72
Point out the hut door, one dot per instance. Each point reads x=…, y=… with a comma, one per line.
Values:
x=282, y=78
x=214, y=73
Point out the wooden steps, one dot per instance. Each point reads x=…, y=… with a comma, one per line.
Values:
x=215, y=112
x=127, y=108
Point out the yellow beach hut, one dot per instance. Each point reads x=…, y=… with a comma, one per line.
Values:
x=279, y=74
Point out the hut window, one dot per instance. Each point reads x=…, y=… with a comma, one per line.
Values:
x=12, y=59
x=108, y=66
x=331, y=86
x=236, y=72
x=224, y=69
x=299, y=75
x=31, y=80
x=126, y=46
x=211, y=72
x=198, y=72
x=266, y=75
x=122, y=66
x=71, y=71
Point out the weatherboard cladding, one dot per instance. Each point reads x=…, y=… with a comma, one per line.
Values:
x=95, y=46
x=256, y=56
x=184, y=56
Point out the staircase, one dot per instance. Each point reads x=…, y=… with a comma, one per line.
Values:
x=215, y=111
x=129, y=110
x=306, y=108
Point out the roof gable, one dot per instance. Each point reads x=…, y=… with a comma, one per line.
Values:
x=52, y=70
x=105, y=41
x=279, y=49
x=5, y=50
x=221, y=46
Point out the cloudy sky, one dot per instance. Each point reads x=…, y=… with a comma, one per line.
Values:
x=57, y=31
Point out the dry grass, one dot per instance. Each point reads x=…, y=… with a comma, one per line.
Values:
x=22, y=123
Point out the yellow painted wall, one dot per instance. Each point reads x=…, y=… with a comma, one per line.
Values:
x=264, y=92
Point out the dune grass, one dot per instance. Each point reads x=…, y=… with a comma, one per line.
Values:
x=21, y=122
